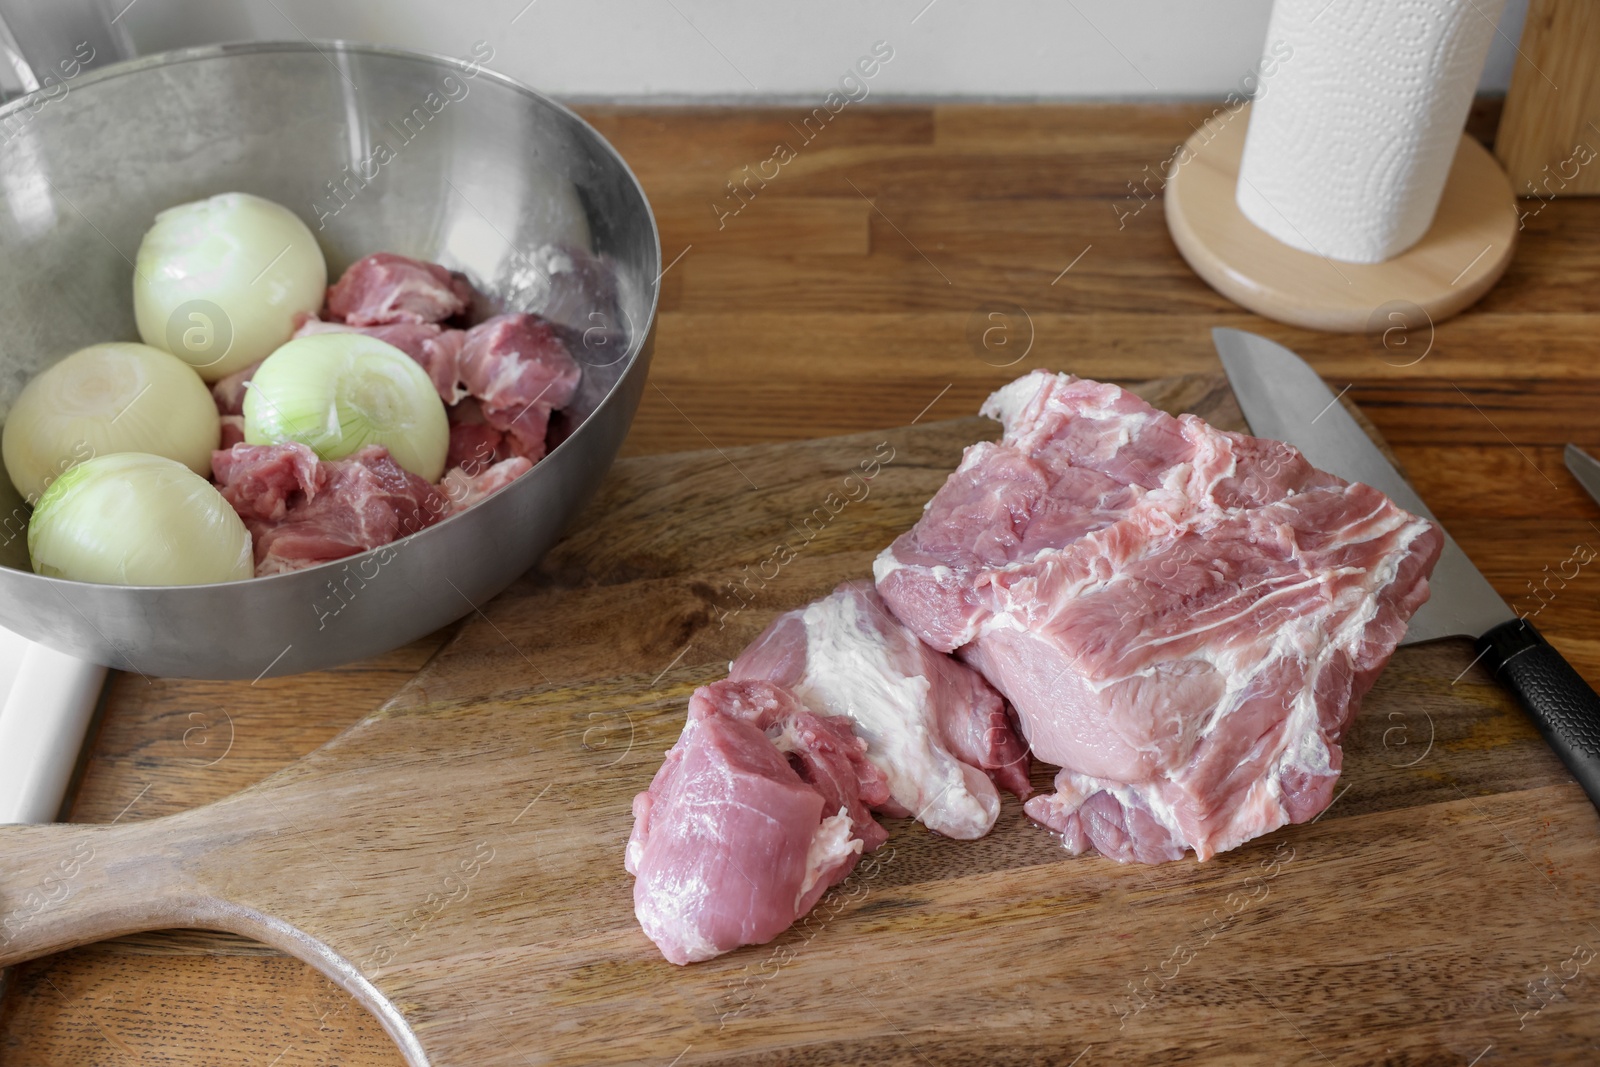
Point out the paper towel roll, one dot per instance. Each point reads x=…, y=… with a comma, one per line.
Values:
x=1350, y=144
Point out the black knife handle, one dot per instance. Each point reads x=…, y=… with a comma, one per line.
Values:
x=1560, y=703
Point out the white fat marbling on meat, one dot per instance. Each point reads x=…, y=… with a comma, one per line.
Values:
x=851, y=671
x=676, y=918
x=831, y=844
x=884, y=565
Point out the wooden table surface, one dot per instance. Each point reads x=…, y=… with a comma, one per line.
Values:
x=903, y=264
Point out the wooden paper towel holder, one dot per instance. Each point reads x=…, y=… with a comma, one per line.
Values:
x=1463, y=253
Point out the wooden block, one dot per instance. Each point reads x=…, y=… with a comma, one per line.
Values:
x=1549, y=139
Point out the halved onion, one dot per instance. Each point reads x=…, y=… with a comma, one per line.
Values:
x=338, y=392
x=218, y=282
x=137, y=519
x=105, y=399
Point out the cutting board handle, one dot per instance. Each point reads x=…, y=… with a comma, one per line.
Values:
x=67, y=885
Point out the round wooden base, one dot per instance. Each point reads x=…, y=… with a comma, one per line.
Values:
x=1463, y=253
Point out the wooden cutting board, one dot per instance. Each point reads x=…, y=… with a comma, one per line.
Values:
x=455, y=860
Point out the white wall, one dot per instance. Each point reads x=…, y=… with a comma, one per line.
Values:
x=791, y=48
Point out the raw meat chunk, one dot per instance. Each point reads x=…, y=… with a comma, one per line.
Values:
x=465, y=489
x=441, y=358
x=723, y=841
x=302, y=511
x=232, y=431
x=514, y=371
x=386, y=288
x=517, y=359
x=229, y=392
x=1185, y=619
x=520, y=371
x=936, y=730
x=260, y=480
x=474, y=444
x=757, y=810
x=522, y=431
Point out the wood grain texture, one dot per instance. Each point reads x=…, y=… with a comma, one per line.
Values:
x=790, y=337
x=454, y=860
x=1549, y=139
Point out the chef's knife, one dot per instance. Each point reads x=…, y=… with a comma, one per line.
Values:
x=1284, y=399
x=1586, y=469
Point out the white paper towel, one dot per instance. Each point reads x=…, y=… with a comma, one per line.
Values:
x=1347, y=154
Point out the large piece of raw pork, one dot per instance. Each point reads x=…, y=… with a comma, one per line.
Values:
x=1185, y=619
x=936, y=730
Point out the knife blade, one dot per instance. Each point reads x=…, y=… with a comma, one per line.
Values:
x=1586, y=469
x=1283, y=398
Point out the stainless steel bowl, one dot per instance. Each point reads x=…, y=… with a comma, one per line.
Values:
x=378, y=150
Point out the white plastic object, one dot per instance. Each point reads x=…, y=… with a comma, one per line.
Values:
x=46, y=701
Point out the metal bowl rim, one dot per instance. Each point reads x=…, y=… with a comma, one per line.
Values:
x=177, y=56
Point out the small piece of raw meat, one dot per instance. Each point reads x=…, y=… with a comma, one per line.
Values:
x=522, y=430
x=232, y=431
x=386, y=288
x=520, y=371
x=936, y=730
x=441, y=358
x=302, y=511
x=1185, y=619
x=465, y=489
x=229, y=392
x=431, y=345
x=260, y=481
x=518, y=359
x=736, y=838
x=475, y=446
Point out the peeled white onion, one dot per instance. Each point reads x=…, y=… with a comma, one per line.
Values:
x=105, y=399
x=137, y=519
x=218, y=282
x=338, y=392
